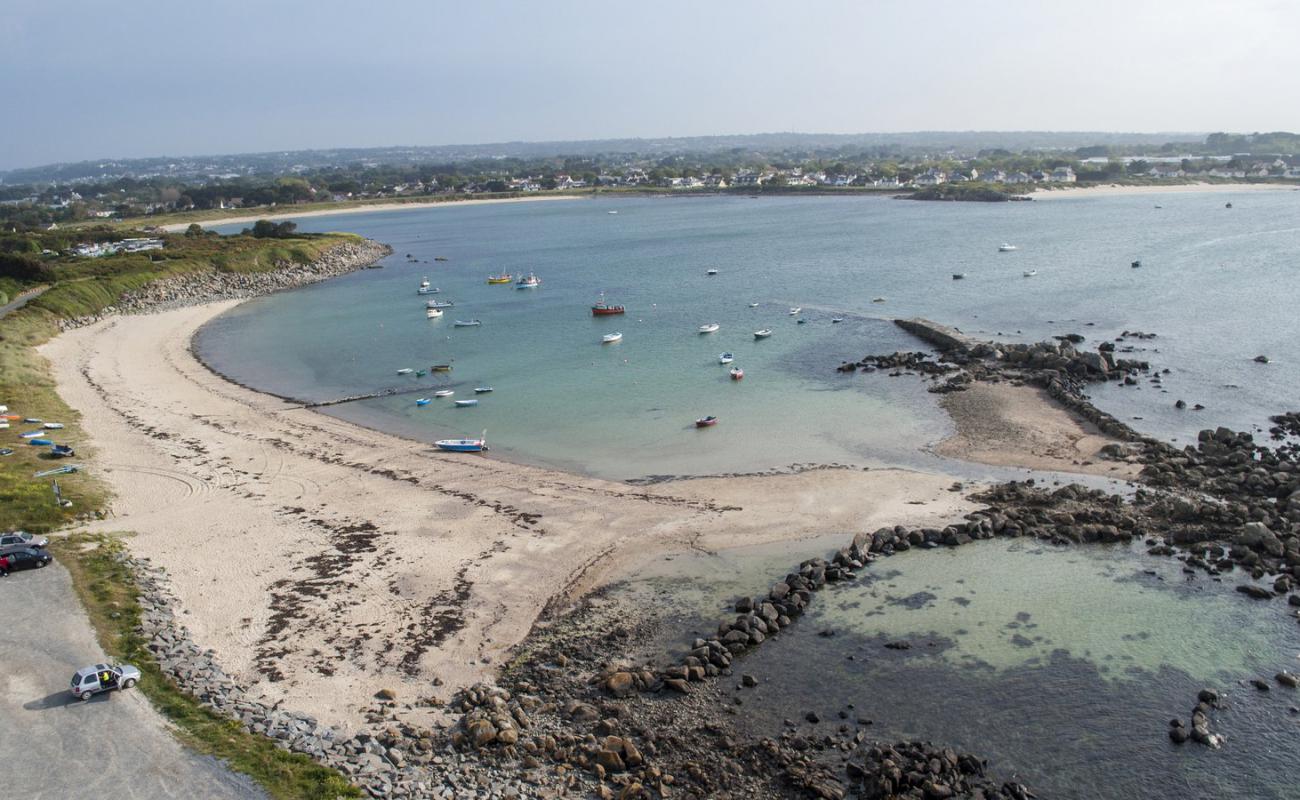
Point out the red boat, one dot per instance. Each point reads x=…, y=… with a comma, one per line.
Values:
x=706, y=422
x=603, y=309
x=737, y=374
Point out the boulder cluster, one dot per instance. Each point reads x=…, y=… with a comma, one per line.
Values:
x=921, y=771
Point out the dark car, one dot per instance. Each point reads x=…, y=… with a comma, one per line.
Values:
x=29, y=558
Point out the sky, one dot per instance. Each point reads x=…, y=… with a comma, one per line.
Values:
x=84, y=79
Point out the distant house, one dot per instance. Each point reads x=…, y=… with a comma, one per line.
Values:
x=715, y=181
x=1038, y=176
x=931, y=177
x=1063, y=175
x=1018, y=177
x=748, y=179
x=992, y=176
x=1164, y=171
x=1291, y=172
x=887, y=183
x=1220, y=172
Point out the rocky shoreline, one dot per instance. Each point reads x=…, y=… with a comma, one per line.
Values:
x=208, y=287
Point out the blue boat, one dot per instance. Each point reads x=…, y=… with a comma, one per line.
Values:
x=463, y=445
x=39, y=442
x=423, y=401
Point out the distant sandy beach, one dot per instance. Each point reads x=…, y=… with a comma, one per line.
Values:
x=324, y=562
x=1182, y=188
x=364, y=209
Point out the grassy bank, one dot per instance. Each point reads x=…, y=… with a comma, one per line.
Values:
x=107, y=591
x=83, y=287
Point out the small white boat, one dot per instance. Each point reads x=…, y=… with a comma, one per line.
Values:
x=53, y=426
x=836, y=320
x=482, y=389
x=4, y=426
x=444, y=393
x=529, y=281
x=710, y=272
x=467, y=323
x=463, y=445
x=31, y=434
x=726, y=358
x=423, y=401
x=465, y=403
x=439, y=304
x=1029, y=273
x=712, y=327
x=610, y=338
x=763, y=334
x=611, y=212
x=405, y=371
x=753, y=305
x=432, y=313
x=796, y=311
x=427, y=290
x=1006, y=248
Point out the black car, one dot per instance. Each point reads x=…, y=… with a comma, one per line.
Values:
x=29, y=558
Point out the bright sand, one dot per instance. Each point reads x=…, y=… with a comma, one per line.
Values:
x=323, y=562
x=1114, y=189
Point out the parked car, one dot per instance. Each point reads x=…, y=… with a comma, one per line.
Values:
x=22, y=539
x=26, y=558
x=90, y=681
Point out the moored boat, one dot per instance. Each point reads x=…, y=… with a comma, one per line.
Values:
x=423, y=401
x=711, y=327
x=753, y=305
x=737, y=373
x=706, y=422
x=405, y=371
x=710, y=272
x=763, y=334
x=440, y=258
x=482, y=389
x=440, y=368
x=1006, y=248
x=463, y=445
x=439, y=304
x=1029, y=273
x=465, y=403
x=836, y=320
x=957, y=276
x=432, y=313
x=1136, y=264
x=529, y=281
x=603, y=309
x=428, y=290
x=444, y=393
x=726, y=358
x=796, y=311
x=467, y=323
x=610, y=338
x=504, y=277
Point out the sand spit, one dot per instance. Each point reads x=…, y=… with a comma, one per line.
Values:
x=1115, y=189
x=324, y=562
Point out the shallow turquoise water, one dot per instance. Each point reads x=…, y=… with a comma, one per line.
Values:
x=1061, y=664
x=1217, y=285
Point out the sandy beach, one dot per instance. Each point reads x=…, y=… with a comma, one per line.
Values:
x=323, y=562
x=363, y=209
x=1113, y=190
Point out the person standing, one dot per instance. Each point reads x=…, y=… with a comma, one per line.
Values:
x=4, y=566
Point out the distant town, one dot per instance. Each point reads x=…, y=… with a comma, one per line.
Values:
x=965, y=169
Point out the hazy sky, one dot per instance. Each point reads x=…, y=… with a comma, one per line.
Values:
x=83, y=79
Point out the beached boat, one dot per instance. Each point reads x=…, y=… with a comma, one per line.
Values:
x=444, y=393
x=737, y=373
x=796, y=311
x=957, y=276
x=432, y=313
x=726, y=358
x=603, y=309
x=4, y=409
x=706, y=422
x=423, y=401
x=440, y=368
x=1029, y=273
x=405, y=371
x=439, y=304
x=482, y=389
x=56, y=471
x=33, y=420
x=711, y=327
x=1007, y=248
x=529, y=281
x=610, y=338
x=463, y=445
x=8, y=451
x=763, y=334
x=710, y=272
x=61, y=451
x=467, y=323
x=504, y=277
x=465, y=403
x=40, y=442
x=52, y=426
x=4, y=426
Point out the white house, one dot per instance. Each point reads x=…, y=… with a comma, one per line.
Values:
x=1019, y=177
x=931, y=177
x=1063, y=175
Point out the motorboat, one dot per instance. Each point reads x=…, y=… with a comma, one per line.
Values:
x=1007, y=248
x=405, y=371
x=710, y=272
x=796, y=311
x=610, y=338
x=1029, y=273
x=424, y=284
x=836, y=320
x=467, y=323
x=444, y=393
x=432, y=313
x=53, y=426
x=711, y=327
x=504, y=277
x=31, y=434
x=877, y=299
x=1136, y=264
x=611, y=212
x=706, y=422
x=529, y=281
x=801, y=320
x=753, y=305
x=61, y=451
x=465, y=403
x=482, y=389
x=439, y=304
x=463, y=445
x=603, y=309
x=419, y=373
x=441, y=258
x=440, y=368
x=737, y=373
x=763, y=334
x=428, y=290
x=958, y=276
x=726, y=358
x=423, y=401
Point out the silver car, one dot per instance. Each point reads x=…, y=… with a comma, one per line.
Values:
x=20, y=540
x=90, y=681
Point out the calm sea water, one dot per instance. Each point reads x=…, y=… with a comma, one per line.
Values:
x=1218, y=285
x=1061, y=665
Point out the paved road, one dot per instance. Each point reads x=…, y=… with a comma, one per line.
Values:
x=22, y=300
x=115, y=745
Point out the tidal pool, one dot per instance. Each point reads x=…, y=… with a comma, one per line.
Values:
x=1062, y=666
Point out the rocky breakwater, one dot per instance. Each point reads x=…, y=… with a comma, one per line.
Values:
x=196, y=288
